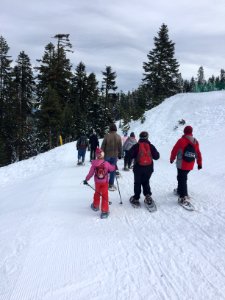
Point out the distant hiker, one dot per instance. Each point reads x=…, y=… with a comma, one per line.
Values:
x=93, y=143
x=130, y=141
x=100, y=169
x=143, y=153
x=82, y=144
x=124, y=138
x=112, y=146
x=186, y=151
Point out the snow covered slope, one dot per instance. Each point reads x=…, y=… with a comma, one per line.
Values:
x=54, y=247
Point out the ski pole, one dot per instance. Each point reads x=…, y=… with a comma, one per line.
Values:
x=97, y=192
x=121, y=202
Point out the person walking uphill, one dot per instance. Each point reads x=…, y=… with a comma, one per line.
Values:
x=100, y=168
x=94, y=143
x=82, y=144
x=143, y=154
x=112, y=146
x=131, y=140
x=186, y=151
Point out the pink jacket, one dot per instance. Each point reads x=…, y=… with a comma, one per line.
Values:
x=97, y=162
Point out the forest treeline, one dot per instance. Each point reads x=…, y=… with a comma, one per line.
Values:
x=40, y=104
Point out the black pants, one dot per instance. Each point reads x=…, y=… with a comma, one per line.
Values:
x=92, y=153
x=182, y=177
x=127, y=160
x=141, y=179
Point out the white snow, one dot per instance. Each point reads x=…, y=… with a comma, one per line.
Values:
x=54, y=247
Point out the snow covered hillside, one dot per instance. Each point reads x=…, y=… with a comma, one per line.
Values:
x=54, y=247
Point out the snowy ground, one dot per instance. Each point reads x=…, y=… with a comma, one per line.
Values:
x=54, y=247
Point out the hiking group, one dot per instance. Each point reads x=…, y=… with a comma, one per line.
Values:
x=139, y=156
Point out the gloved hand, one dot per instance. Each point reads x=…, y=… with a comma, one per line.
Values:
x=171, y=161
x=85, y=182
x=199, y=167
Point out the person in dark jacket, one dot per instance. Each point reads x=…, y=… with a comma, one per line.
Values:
x=143, y=173
x=82, y=144
x=93, y=143
x=184, y=166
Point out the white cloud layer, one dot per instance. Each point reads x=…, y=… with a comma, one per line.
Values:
x=119, y=33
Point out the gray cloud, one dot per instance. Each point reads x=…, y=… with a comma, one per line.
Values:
x=119, y=33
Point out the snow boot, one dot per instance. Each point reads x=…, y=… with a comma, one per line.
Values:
x=94, y=208
x=134, y=202
x=148, y=200
x=104, y=215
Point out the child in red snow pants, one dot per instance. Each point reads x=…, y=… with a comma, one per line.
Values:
x=101, y=188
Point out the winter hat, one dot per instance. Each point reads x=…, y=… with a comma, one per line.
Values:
x=99, y=153
x=143, y=135
x=188, y=130
x=112, y=127
x=132, y=134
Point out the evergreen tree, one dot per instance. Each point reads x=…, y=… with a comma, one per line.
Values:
x=54, y=74
x=23, y=87
x=161, y=70
x=50, y=121
x=192, y=85
x=79, y=98
x=109, y=84
x=201, y=80
x=6, y=123
x=222, y=79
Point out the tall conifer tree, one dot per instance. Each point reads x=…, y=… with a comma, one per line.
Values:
x=161, y=70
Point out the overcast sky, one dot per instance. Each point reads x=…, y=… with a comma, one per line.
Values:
x=119, y=33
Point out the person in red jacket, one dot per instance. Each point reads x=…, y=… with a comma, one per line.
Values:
x=186, y=151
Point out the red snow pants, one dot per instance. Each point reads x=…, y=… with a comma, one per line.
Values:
x=101, y=189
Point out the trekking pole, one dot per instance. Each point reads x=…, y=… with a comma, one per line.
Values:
x=121, y=202
x=97, y=192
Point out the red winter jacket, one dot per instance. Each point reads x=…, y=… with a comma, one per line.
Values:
x=177, y=152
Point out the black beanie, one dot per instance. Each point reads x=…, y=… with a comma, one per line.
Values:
x=143, y=135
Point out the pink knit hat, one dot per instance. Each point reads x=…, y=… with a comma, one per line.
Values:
x=188, y=130
x=99, y=153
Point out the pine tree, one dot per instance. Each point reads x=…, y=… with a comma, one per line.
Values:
x=201, y=83
x=79, y=98
x=23, y=87
x=54, y=74
x=222, y=79
x=50, y=120
x=161, y=71
x=6, y=123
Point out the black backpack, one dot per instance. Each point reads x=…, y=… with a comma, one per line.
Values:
x=189, y=153
x=83, y=142
x=100, y=171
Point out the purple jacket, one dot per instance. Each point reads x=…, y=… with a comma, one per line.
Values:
x=95, y=163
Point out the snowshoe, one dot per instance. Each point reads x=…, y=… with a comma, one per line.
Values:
x=183, y=201
x=94, y=208
x=104, y=215
x=150, y=203
x=134, y=202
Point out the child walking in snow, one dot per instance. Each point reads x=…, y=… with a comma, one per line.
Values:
x=100, y=169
